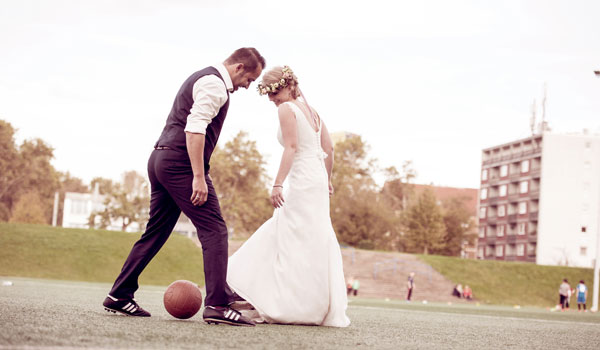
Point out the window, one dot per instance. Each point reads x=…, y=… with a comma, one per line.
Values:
x=499, y=250
x=522, y=228
x=480, y=252
x=520, y=249
x=583, y=229
x=482, y=212
x=583, y=251
x=484, y=175
x=523, y=186
x=501, y=210
x=484, y=193
x=482, y=232
x=504, y=170
x=522, y=207
x=525, y=166
x=502, y=190
x=500, y=231
x=78, y=207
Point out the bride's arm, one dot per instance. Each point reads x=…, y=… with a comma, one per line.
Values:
x=287, y=120
x=327, y=146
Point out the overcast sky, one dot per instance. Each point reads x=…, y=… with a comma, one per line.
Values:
x=429, y=81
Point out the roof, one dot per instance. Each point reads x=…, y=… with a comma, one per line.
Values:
x=443, y=193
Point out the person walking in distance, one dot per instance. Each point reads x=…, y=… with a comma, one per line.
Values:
x=410, y=284
x=178, y=170
x=563, y=292
x=581, y=295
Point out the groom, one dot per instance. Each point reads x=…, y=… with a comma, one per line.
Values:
x=178, y=172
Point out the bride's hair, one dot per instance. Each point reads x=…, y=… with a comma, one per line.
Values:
x=275, y=74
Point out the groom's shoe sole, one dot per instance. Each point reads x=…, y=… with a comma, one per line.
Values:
x=218, y=321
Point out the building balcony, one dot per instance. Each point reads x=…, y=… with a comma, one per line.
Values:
x=513, y=197
x=511, y=239
x=512, y=218
x=490, y=239
x=535, y=173
x=533, y=216
x=510, y=258
x=492, y=200
x=534, y=194
x=491, y=220
x=517, y=155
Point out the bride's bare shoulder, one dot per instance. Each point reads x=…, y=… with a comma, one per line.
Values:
x=285, y=109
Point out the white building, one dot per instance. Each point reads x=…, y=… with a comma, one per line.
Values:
x=540, y=200
x=79, y=206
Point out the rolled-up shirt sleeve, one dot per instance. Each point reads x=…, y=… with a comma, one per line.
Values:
x=210, y=94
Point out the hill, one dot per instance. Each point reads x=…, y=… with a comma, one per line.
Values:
x=42, y=251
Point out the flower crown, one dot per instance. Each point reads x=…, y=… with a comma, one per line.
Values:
x=287, y=75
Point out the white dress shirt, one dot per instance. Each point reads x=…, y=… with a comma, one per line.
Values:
x=209, y=94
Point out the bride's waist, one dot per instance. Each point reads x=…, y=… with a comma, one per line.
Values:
x=310, y=154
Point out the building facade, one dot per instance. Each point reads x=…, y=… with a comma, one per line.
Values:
x=539, y=200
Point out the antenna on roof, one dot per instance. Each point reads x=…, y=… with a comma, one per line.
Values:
x=532, y=119
x=544, y=126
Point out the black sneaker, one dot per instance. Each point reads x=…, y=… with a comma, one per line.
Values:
x=238, y=303
x=225, y=315
x=125, y=306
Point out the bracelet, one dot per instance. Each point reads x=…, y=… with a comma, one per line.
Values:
x=278, y=186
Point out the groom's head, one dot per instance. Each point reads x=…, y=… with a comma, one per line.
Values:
x=244, y=66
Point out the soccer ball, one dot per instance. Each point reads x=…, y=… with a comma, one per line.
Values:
x=182, y=299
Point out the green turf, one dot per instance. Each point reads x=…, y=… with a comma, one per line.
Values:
x=47, y=314
x=510, y=283
x=42, y=251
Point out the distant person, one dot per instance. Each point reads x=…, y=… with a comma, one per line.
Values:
x=563, y=293
x=410, y=284
x=349, y=285
x=581, y=292
x=468, y=293
x=457, y=291
x=355, y=287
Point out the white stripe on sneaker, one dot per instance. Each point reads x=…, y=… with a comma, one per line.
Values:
x=112, y=298
x=228, y=313
x=237, y=317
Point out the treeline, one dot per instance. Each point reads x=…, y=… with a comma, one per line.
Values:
x=364, y=215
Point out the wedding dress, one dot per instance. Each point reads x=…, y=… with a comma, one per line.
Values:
x=291, y=268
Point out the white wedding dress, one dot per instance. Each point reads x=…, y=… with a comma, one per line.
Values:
x=291, y=268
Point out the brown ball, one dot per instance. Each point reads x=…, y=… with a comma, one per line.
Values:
x=182, y=299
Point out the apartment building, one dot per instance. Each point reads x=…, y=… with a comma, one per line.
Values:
x=539, y=200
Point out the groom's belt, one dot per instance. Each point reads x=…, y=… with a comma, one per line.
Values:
x=162, y=147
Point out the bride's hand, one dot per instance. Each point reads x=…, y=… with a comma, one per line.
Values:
x=330, y=189
x=277, y=197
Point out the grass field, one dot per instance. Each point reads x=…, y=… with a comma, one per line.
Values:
x=510, y=283
x=42, y=251
x=49, y=314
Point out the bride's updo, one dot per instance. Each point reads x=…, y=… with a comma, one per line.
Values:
x=278, y=78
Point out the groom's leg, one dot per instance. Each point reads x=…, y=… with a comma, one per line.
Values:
x=212, y=232
x=164, y=214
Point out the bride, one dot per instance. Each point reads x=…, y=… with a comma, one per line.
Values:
x=290, y=270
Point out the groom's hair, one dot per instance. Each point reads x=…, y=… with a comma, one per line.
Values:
x=249, y=56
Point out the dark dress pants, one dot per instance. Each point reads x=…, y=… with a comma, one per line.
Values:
x=171, y=176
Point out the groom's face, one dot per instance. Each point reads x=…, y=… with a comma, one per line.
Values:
x=243, y=78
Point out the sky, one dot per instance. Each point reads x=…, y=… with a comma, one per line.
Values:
x=433, y=82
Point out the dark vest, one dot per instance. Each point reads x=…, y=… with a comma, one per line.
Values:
x=173, y=135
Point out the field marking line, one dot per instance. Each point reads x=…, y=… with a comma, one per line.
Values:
x=76, y=285
x=482, y=316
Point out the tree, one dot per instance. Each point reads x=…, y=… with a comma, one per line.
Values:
x=127, y=201
x=29, y=209
x=359, y=215
x=424, y=223
x=457, y=221
x=25, y=169
x=241, y=182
